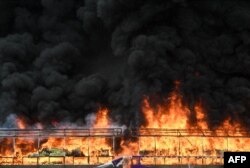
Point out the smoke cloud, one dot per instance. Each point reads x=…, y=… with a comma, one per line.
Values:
x=60, y=60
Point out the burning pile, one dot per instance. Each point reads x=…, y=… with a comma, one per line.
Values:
x=168, y=133
x=174, y=135
x=59, y=143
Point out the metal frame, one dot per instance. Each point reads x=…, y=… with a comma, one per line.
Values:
x=113, y=133
x=38, y=134
x=190, y=132
x=186, y=133
x=79, y=132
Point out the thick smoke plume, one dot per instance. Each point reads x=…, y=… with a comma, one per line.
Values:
x=62, y=59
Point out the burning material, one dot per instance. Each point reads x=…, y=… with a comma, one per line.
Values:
x=68, y=146
x=48, y=146
x=168, y=137
x=168, y=132
x=52, y=152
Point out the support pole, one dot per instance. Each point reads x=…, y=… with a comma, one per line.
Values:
x=64, y=146
x=114, y=153
x=179, y=150
x=202, y=143
x=88, y=150
x=14, y=149
x=139, y=146
x=227, y=143
x=155, y=151
x=38, y=147
x=14, y=146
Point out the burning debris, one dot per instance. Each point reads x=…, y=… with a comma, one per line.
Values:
x=158, y=140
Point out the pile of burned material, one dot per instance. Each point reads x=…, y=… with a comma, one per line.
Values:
x=57, y=152
x=75, y=152
x=102, y=153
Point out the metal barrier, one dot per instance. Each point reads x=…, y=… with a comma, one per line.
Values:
x=184, y=146
x=10, y=145
x=95, y=132
x=190, y=132
x=153, y=146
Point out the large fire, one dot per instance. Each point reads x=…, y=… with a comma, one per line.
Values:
x=89, y=150
x=168, y=137
x=188, y=146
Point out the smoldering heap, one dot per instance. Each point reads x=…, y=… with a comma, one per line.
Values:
x=60, y=60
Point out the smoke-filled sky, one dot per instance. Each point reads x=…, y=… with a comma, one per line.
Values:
x=63, y=59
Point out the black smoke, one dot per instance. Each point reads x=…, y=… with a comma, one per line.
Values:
x=62, y=59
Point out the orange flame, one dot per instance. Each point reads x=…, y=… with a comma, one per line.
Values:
x=163, y=116
x=187, y=141
x=25, y=150
x=20, y=123
x=102, y=119
x=175, y=115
